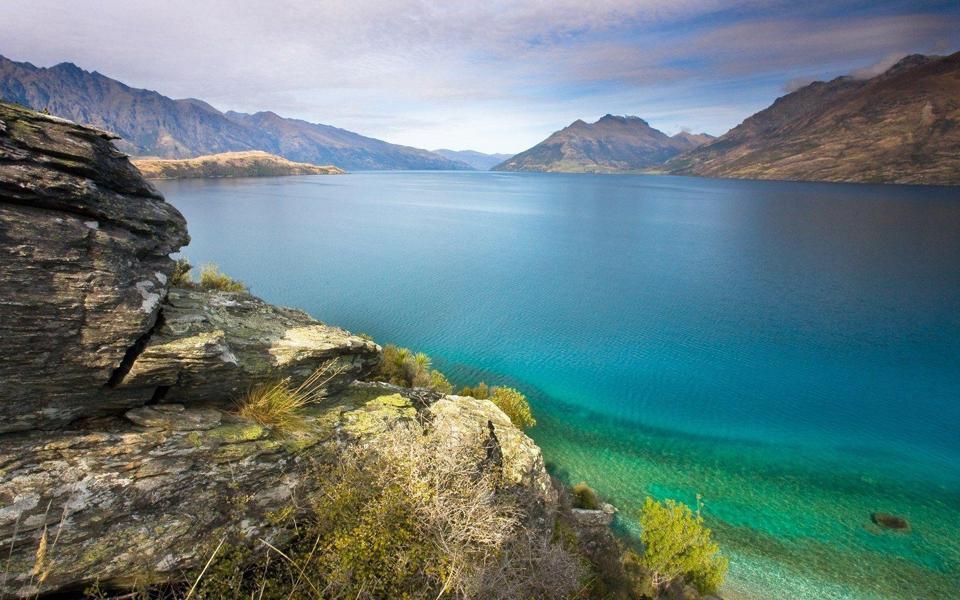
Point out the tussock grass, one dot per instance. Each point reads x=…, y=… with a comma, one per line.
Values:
x=278, y=405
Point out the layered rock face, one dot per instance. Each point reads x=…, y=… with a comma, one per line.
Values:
x=122, y=460
x=146, y=497
x=84, y=245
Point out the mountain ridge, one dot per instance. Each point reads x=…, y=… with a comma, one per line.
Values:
x=611, y=144
x=478, y=160
x=900, y=126
x=151, y=124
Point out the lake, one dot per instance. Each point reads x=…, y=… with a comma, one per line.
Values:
x=791, y=351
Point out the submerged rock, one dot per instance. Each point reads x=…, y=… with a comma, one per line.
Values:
x=889, y=521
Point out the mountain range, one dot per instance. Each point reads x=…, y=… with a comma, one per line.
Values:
x=151, y=124
x=612, y=144
x=477, y=160
x=901, y=126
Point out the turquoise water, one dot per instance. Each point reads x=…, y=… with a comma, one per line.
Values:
x=791, y=351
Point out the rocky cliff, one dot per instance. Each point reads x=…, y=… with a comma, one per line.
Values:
x=121, y=452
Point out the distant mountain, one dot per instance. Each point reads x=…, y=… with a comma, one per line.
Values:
x=693, y=139
x=323, y=144
x=154, y=125
x=251, y=163
x=902, y=126
x=477, y=160
x=612, y=144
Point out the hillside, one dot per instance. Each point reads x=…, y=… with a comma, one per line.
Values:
x=902, y=126
x=477, y=160
x=612, y=144
x=253, y=163
x=151, y=124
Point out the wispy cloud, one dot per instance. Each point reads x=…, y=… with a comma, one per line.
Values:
x=497, y=76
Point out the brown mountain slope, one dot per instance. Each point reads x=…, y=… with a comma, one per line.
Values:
x=612, y=144
x=902, y=126
x=254, y=163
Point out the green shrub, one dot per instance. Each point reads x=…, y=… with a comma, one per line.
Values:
x=212, y=279
x=514, y=405
x=584, y=497
x=676, y=544
x=439, y=383
x=407, y=516
x=479, y=391
x=402, y=367
x=181, y=273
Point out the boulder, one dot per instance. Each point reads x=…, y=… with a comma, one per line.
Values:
x=148, y=497
x=210, y=347
x=84, y=267
x=600, y=518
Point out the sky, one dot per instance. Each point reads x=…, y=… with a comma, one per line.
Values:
x=493, y=76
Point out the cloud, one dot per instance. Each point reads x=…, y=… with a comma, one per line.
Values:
x=878, y=67
x=796, y=83
x=498, y=75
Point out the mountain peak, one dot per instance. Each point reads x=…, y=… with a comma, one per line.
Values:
x=607, y=118
x=67, y=67
x=611, y=144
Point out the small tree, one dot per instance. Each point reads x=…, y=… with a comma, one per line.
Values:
x=211, y=278
x=181, y=273
x=514, y=405
x=676, y=544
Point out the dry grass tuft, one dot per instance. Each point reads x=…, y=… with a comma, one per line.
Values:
x=277, y=405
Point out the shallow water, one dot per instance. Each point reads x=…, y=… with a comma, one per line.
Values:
x=791, y=351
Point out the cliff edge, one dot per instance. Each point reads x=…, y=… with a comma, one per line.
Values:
x=122, y=452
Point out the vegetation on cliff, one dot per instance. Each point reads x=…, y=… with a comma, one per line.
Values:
x=409, y=515
x=676, y=544
x=402, y=367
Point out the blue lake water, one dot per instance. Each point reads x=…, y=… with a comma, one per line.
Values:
x=791, y=351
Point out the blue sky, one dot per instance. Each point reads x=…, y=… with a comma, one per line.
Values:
x=496, y=76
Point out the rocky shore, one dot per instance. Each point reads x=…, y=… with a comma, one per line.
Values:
x=121, y=452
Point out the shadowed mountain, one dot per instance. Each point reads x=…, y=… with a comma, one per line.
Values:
x=154, y=125
x=477, y=160
x=902, y=126
x=612, y=144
